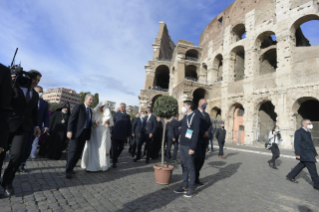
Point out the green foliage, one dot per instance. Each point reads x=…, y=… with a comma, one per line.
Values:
x=112, y=111
x=96, y=98
x=53, y=106
x=132, y=116
x=165, y=107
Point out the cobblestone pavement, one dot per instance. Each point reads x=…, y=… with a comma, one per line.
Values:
x=241, y=182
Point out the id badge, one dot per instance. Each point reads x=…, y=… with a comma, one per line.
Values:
x=189, y=133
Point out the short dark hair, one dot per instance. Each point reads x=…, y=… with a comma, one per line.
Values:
x=189, y=103
x=35, y=72
x=150, y=109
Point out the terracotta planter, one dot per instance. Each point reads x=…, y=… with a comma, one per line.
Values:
x=163, y=174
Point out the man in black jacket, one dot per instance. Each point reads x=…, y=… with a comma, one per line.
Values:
x=149, y=128
x=120, y=132
x=172, y=135
x=79, y=131
x=188, y=146
x=5, y=108
x=24, y=103
x=305, y=152
x=221, y=136
x=203, y=137
x=136, y=129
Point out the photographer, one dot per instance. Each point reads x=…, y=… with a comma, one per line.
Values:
x=5, y=109
x=273, y=144
x=25, y=115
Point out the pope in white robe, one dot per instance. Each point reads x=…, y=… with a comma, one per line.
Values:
x=96, y=153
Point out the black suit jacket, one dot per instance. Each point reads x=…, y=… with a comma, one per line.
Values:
x=304, y=146
x=173, y=131
x=24, y=114
x=77, y=121
x=150, y=125
x=122, y=126
x=205, y=122
x=137, y=126
x=5, y=100
x=221, y=134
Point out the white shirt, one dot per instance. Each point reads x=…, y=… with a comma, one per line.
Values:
x=25, y=90
x=305, y=129
x=149, y=116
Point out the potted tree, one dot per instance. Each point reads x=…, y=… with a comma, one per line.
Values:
x=164, y=107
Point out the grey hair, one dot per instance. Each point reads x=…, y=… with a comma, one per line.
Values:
x=303, y=120
x=123, y=104
x=88, y=95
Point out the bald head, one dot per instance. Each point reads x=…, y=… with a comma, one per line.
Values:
x=202, y=104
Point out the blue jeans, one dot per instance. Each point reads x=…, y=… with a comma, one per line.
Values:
x=188, y=168
x=221, y=147
x=212, y=145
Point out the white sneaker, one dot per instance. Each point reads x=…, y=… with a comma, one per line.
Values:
x=33, y=156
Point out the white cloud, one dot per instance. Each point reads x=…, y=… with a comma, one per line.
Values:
x=99, y=45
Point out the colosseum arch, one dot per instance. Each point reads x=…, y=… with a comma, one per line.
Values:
x=217, y=72
x=191, y=72
x=238, y=33
x=162, y=77
x=198, y=94
x=192, y=54
x=238, y=56
x=154, y=99
x=235, y=120
x=298, y=37
x=216, y=113
x=266, y=119
x=266, y=45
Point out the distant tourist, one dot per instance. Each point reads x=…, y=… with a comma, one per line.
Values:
x=221, y=136
x=273, y=144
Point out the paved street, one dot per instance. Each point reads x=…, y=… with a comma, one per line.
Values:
x=241, y=182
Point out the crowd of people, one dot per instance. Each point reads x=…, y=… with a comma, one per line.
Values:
x=98, y=137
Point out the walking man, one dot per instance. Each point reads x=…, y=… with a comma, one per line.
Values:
x=305, y=152
x=172, y=134
x=221, y=136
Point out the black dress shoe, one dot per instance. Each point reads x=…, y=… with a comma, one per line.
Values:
x=73, y=172
x=147, y=161
x=316, y=188
x=114, y=165
x=69, y=175
x=199, y=182
x=22, y=170
x=269, y=162
x=8, y=190
x=292, y=180
x=135, y=159
x=274, y=167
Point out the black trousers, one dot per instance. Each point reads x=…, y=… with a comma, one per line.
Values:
x=200, y=154
x=117, y=148
x=221, y=147
x=139, y=143
x=275, y=153
x=75, y=150
x=18, y=142
x=169, y=146
x=149, y=146
x=311, y=166
x=188, y=167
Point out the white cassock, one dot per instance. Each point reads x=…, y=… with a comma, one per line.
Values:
x=96, y=153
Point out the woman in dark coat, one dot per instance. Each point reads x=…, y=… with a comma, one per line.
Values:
x=54, y=144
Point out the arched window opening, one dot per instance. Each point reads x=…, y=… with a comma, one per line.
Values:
x=269, y=41
x=154, y=99
x=238, y=124
x=266, y=120
x=306, y=31
x=161, y=80
x=198, y=94
x=238, y=55
x=216, y=114
x=218, y=68
x=191, y=73
x=268, y=62
x=239, y=32
x=192, y=55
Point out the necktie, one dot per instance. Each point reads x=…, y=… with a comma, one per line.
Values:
x=28, y=96
x=87, y=117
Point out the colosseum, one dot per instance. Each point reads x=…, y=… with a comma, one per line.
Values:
x=253, y=64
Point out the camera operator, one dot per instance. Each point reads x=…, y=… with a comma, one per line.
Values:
x=25, y=115
x=5, y=108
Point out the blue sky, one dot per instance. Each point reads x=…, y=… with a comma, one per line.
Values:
x=99, y=45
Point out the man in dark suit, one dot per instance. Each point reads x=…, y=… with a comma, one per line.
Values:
x=221, y=136
x=79, y=131
x=188, y=146
x=149, y=128
x=24, y=103
x=5, y=108
x=203, y=137
x=136, y=129
x=120, y=132
x=305, y=152
x=172, y=135
x=43, y=114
